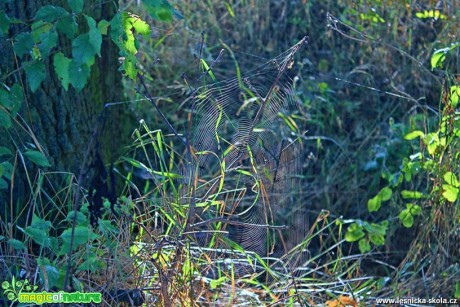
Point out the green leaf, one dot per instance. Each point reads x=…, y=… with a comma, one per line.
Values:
x=5, y=119
x=3, y=184
x=76, y=5
x=16, y=97
x=129, y=67
x=438, y=58
x=159, y=9
x=4, y=151
x=35, y=73
x=411, y=194
x=92, y=264
x=78, y=74
x=7, y=169
x=374, y=203
x=40, y=236
x=414, y=209
x=23, y=44
x=377, y=239
x=80, y=218
x=37, y=158
x=414, y=134
x=218, y=282
x=82, y=235
x=364, y=245
x=95, y=35
x=451, y=179
x=406, y=218
x=450, y=192
x=4, y=23
x=103, y=26
x=385, y=194
x=48, y=41
x=354, y=233
x=16, y=244
x=61, y=67
x=82, y=49
x=50, y=13
x=140, y=26
x=454, y=95
x=67, y=26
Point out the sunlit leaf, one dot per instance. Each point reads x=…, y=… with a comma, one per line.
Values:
x=411, y=194
x=414, y=134
x=364, y=245
x=406, y=218
x=450, y=192
x=354, y=233
x=374, y=203
x=385, y=194
x=451, y=179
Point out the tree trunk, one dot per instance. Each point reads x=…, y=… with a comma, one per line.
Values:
x=64, y=122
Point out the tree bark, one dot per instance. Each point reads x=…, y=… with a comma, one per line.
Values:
x=64, y=122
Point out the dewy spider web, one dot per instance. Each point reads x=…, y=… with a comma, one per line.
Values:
x=246, y=152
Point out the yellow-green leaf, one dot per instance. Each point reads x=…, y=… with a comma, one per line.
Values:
x=450, y=192
x=451, y=179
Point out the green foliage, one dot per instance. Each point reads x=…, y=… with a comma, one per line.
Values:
x=366, y=233
x=37, y=157
x=384, y=195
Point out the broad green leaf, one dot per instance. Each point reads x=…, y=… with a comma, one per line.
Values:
x=80, y=218
x=23, y=44
x=50, y=13
x=5, y=119
x=78, y=74
x=430, y=14
x=16, y=97
x=4, y=151
x=411, y=194
x=414, y=134
x=354, y=233
x=47, y=42
x=377, y=239
x=61, y=67
x=5, y=99
x=451, y=179
x=68, y=26
x=95, y=35
x=379, y=229
x=82, y=49
x=7, y=169
x=40, y=28
x=406, y=218
x=374, y=203
x=438, y=58
x=3, y=184
x=37, y=158
x=414, y=209
x=82, y=235
x=35, y=73
x=385, y=194
x=129, y=67
x=159, y=9
x=103, y=26
x=450, y=192
x=76, y=5
x=16, y=244
x=364, y=245
x=92, y=264
x=40, y=236
x=4, y=23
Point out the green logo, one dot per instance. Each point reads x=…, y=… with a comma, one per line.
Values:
x=23, y=292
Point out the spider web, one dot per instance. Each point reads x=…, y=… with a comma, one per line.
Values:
x=246, y=159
